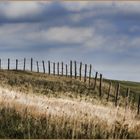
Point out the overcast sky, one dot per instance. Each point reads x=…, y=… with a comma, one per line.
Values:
x=105, y=34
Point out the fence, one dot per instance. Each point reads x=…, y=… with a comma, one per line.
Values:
x=74, y=70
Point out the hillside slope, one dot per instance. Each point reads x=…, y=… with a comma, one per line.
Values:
x=36, y=105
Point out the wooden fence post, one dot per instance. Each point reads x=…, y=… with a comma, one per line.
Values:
x=75, y=66
x=49, y=69
x=138, y=112
x=109, y=91
x=16, y=64
x=80, y=70
x=127, y=97
x=117, y=94
x=66, y=70
x=100, y=86
x=0, y=64
x=90, y=73
x=58, y=68
x=85, y=78
x=31, y=64
x=24, y=64
x=71, y=69
x=54, y=68
x=8, y=63
x=43, y=66
x=95, y=80
x=62, y=68
x=37, y=66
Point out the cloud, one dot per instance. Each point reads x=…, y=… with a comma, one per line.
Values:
x=18, y=10
x=74, y=11
x=89, y=39
x=105, y=34
x=128, y=7
x=76, y=6
x=103, y=10
x=135, y=29
x=13, y=36
x=131, y=6
x=68, y=35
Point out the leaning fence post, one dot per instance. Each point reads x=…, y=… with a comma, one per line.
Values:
x=75, y=66
x=90, y=73
x=62, y=68
x=16, y=64
x=71, y=69
x=66, y=70
x=49, y=69
x=58, y=68
x=43, y=66
x=95, y=80
x=80, y=70
x=100, y=86
x=31, y=64
x=0, y=64
x=127, y=98
x=37, y=66
x=109, y=91
x=117, y=94
x=138, y=106
x=85, y=78
x=54, y=68
x=8, y=64
x=24, y=64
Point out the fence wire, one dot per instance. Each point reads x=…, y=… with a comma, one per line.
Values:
x=87, y=71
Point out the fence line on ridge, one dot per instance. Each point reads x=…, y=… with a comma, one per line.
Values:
x=75, y=70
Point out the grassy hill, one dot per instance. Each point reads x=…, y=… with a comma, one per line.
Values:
x=37, y=105
x=49, y=85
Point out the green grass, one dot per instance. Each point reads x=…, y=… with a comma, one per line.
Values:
x=133, y=86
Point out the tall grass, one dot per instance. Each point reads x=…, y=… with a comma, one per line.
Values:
x=37, y=116
x=40, y=106
x=26, y=125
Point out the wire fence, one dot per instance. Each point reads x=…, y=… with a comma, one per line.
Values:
x=111, y=90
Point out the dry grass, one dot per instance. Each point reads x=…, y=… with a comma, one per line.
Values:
x=40, y=106
x=84, y=119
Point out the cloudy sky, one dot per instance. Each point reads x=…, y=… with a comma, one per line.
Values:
x=105, y=34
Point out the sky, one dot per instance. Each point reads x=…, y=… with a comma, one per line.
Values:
x=104, y=34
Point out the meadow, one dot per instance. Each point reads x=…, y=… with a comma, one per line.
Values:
x=37, y=105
